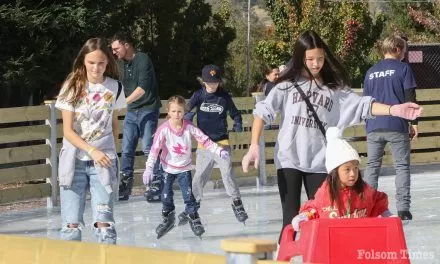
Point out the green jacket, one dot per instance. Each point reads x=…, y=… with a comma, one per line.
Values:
x=139, y=72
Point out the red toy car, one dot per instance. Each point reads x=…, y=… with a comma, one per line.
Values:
x=360, y=240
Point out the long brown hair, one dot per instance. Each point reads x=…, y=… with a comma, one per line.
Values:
x=334, y=185
x=333, y=73
x=77, y=78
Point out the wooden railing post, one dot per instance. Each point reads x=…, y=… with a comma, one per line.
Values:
x=247, y=250
x=53, y=160
x=262, y=177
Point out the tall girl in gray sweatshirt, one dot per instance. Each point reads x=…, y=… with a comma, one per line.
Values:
x=300, y=146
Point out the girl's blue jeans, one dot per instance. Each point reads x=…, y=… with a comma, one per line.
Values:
x=185, y=183
x=73, y=201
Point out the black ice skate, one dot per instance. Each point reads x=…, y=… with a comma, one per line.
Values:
x=154, y=191
x=404, y=215
x=183, y=218
x=238, y=208
x=125, y=186
x=168, y=222
x=196, y=224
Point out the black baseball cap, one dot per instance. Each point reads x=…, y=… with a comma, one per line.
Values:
x=211, y=73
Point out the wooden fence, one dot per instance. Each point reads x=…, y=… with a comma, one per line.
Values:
x=27, y=135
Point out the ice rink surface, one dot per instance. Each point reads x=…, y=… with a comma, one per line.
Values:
x=136, y=219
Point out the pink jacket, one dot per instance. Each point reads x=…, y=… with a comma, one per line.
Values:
x=176, y=147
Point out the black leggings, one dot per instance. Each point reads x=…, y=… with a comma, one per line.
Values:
x=290, y=184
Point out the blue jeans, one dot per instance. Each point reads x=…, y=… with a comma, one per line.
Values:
x=184, y=180
x=401, y=148
x=73, y=201
x=140, y=123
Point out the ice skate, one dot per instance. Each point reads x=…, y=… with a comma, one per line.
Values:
x=405, y=215
x=183, y=218
x=125, y=186
x=154, y=191
x=238, y=208
x=196, y=224
x=168, y=222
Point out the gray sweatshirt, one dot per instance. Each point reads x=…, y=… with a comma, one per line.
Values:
x=66, y=168
x=300, y=144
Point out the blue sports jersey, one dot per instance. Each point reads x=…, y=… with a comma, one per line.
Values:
x=212, y=110
x=386, y=81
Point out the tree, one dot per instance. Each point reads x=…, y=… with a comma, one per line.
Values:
x=39, y=42
x=235, y=64
x=419, y=21
x=40, y=39
x=346, y=27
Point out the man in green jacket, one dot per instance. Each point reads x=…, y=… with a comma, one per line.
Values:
x=143, y=104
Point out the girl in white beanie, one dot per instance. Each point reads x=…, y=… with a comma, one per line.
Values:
x=343, y=194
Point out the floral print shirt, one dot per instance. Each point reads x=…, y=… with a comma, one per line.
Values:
x=94, y=111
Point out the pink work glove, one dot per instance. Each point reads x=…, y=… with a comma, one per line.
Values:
x=253, y=154
x=147, y=177
x=408, y=111
x=224, y=154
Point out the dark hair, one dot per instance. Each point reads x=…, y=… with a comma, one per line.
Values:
x=333, y=73
x=334, y=185
x=266, y=70
x=123, y=38
x=269, y=68
x=76, y=80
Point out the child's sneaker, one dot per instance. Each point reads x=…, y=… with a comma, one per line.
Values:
x=168, y=221
x=196, y=224
x=183, y=218
x=238, y=208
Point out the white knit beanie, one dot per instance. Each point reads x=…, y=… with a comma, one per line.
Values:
x=338, y=150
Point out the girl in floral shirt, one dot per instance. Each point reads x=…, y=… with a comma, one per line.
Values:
x=87, y=101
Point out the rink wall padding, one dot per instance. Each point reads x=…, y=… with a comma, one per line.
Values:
x=26, y=250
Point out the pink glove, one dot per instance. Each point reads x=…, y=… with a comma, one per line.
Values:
x=408, y=111
x=147, y=177
x=224, y=154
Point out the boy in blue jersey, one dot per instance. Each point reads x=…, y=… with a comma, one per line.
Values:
x=212, y=105
x=391, y=81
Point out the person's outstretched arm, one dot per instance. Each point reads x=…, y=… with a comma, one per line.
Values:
x=190, y=105
x=254, y=150
x=408, y=110
x=158, y=144
x=265, y=112
x=354, y=108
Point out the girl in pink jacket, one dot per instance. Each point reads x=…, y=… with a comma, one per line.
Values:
x=173, y=137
